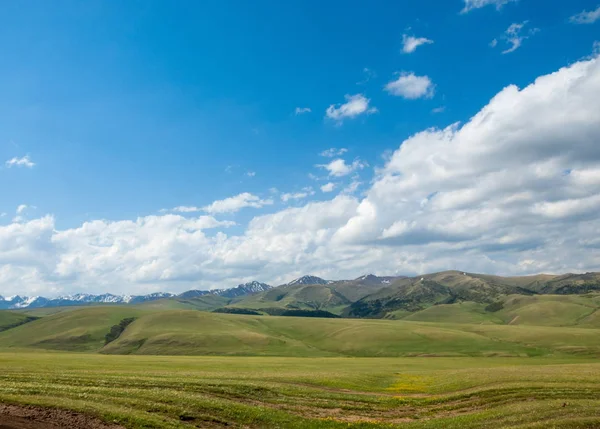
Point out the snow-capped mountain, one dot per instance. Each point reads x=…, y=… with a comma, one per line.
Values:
x=371, y=279
x=240, y=290
x=309, y=280
x=244, y=289
x=18, y=302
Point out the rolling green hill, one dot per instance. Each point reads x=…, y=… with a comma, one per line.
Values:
x=188, y=332
x=541, y=310
x=76, y=330
x=9, y=320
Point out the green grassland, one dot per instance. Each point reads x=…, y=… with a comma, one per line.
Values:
x=190, y=332
x=276, y=392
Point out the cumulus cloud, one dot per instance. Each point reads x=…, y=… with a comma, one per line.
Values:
x=514, y=190
x=411, y=86
x=411, y=43
x=20, y=162
x=535, y=204
x=302, y=110
x=514, y=37
x=477, y=4
x=586, y=17
x=354, y=106
x=339, y=167
x=328, y=187
x=236, y=203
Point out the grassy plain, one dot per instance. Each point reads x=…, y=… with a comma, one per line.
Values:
x=276, y=392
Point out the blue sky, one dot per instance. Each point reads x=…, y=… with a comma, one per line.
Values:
x=123, y=110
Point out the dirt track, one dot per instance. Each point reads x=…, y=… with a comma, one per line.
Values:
x=23, y=417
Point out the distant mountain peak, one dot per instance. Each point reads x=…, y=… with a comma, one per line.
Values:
x=309, y=280
x=240, y=290
x=368, y=277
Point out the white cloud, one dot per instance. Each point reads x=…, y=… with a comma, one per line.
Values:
x=185, y=209
x=234, y=204
x=534, y=205
x=328, y=187
x=251, y=173
x=586, y=17
x=514, y=37
x=20, y=162
x=410, y=86
x=353, y=186
x=297, y=195
x=330, y=153
x=411, y=43
x=499, y=194
x=476, y=4
x=302, y=110
x=440, y=109
x=339, y=168
x=20, y=212
x=354, y=106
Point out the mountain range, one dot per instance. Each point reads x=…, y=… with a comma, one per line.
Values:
x=19, y=302
x=368, y=296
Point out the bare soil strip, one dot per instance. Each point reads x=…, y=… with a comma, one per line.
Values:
x=26, y=417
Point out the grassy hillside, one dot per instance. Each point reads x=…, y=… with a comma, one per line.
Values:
x=202, y=303
x=462, y=312
x=185, y=332
x=76, y=330
x=10, y=319
x=542, y=310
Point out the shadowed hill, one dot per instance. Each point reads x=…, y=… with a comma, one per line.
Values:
x=10, y=320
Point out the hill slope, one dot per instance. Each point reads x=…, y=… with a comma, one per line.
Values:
x=188, y=332
x=10, y=320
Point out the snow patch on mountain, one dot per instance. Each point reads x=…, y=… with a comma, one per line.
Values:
x=309, y=280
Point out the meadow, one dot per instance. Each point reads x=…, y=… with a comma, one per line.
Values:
x=275, y=392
